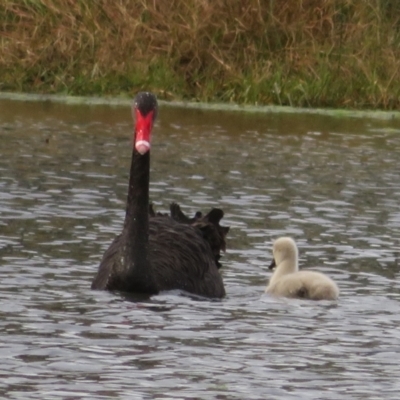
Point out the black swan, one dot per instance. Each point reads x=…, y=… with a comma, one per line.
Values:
x=157, y=252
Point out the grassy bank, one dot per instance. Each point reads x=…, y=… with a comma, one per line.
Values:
x=310, y=53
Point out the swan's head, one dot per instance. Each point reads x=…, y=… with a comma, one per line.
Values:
x=144, y=112
x=284, y=249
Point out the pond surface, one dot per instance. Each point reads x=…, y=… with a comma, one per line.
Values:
x=331, y=183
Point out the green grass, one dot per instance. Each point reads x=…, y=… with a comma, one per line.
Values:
x=313, y=53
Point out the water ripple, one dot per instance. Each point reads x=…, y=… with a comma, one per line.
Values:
x=333, y=184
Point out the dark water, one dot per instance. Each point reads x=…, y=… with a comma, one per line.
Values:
x=331, y=183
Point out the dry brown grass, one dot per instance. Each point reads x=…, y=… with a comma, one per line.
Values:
x=339, y=53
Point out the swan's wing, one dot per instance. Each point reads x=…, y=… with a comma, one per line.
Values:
x=110, y=266
x=208, y=226
x=213, y=233
x=181, y=258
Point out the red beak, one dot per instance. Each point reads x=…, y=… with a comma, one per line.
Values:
x=143, y=127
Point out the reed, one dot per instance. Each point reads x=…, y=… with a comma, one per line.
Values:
x=325, y=53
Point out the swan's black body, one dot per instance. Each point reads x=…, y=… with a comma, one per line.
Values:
x=157, y=252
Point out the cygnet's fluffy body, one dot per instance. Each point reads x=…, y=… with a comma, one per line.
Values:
x=288, y=281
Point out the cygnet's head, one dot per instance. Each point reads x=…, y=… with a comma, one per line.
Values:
x=284, y=249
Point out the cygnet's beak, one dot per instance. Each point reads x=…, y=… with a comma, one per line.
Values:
x=273, y=264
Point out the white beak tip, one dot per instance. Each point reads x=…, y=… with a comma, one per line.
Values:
x=142, y=146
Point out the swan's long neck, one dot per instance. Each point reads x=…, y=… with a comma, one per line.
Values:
x=136, y=224
x=285, y=267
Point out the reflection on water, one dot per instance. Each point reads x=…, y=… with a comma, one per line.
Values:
x=333, y=184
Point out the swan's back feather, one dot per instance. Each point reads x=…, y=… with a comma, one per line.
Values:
x=182, y=259
x=305, y=284
x=208, y=225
